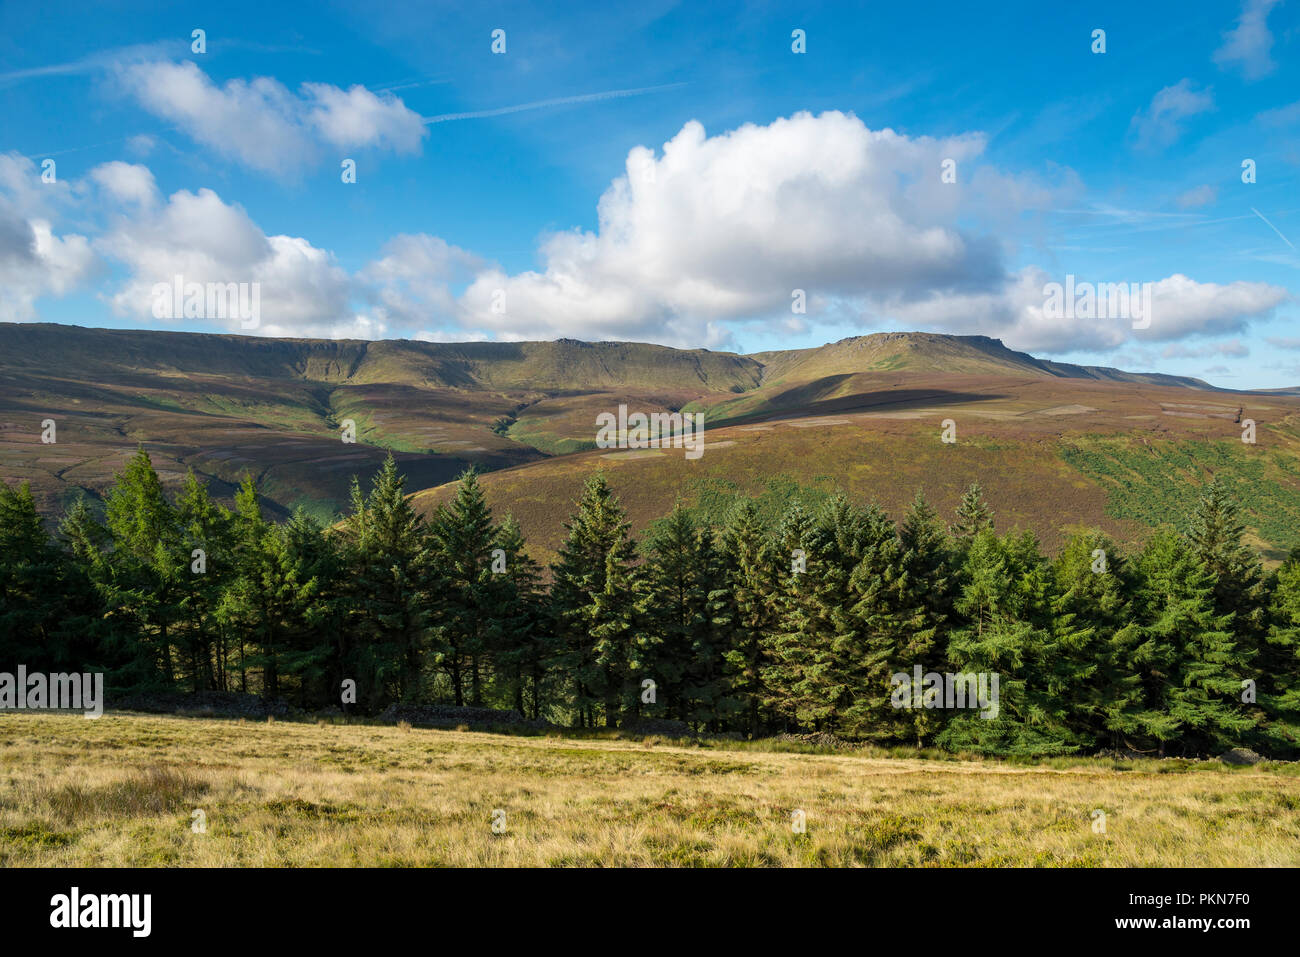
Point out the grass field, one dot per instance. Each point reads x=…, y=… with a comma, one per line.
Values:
x=122, y=791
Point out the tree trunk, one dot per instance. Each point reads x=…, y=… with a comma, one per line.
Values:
x=457, y=683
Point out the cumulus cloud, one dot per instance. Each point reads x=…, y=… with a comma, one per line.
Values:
x=727, y=227
x=1161, y=124
x=1018, y=313
x=34, y=260
x=693, y=241
x=357, y=117
x=126, y=182
x=265, y=126
x=1248, y=46
x=722, y=230
x=409, y=284
x=199, y=237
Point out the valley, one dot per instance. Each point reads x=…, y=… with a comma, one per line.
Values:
x=1055, y=446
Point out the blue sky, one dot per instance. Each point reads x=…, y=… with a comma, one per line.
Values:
x=502, y=195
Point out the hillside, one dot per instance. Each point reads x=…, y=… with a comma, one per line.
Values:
x=47, y=349
x=1051, y=454
x=933, y=352
x=1048, y=440
x=224, y=404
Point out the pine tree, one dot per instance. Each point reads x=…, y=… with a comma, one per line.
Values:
x=464, y=535
x=1096, y=637
x=973, y=515
x=518, y=646
x=787, y=648
x=1215, y=538
x=148, y=562
x=245, y=611
x=1191, y=666
x=33, y=603
x=614, y=620
x=1005, y=599
x=880, y=630
x=1278, y=666
x=597, y=539
x=927, y=590
x=749, y=612
x=305, y=566
x=683, y=645
x=206, y=539
x=391, y=590
x=87, y=585
x=807, y=677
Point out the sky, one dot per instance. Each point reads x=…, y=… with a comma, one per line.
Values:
x=738, y=177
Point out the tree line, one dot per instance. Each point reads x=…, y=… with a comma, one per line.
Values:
x=1184, y=646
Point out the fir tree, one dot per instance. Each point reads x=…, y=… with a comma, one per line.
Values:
x=391, y=586
x=973, y=515
x=464, y=535
x=148, y=565
x=1215, y=537
x=1191, y=666
x=1096, y=637
x=518, y=646
x=597, y=539
x=685, y=617
x=749, y=613
x=1278, y=667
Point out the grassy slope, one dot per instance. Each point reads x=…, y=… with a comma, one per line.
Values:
x=120, y=791
x=1051, y=455
x=229, y=404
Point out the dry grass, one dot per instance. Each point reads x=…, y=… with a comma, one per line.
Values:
x=120, y=791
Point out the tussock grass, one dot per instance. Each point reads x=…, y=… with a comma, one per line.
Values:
x=120, y=791
x=154, y=790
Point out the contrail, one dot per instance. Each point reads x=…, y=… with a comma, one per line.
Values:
x=101, y=60
x=558, y=101
x=1272, y=227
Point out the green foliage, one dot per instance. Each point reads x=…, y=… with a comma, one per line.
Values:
x=1162, y=481
x=748, y=620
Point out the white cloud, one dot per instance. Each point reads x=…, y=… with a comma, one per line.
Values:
x=358, y=118
x=27, y=193
x=126, y=182
x=1248, y=46
x=1180, y=308
x=409, y=284
x=265, y=126
x=34, y=260
x=1162, y=122
x=197, y=236
x=726, y=227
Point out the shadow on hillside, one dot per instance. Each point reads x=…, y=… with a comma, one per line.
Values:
x=807, y=400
